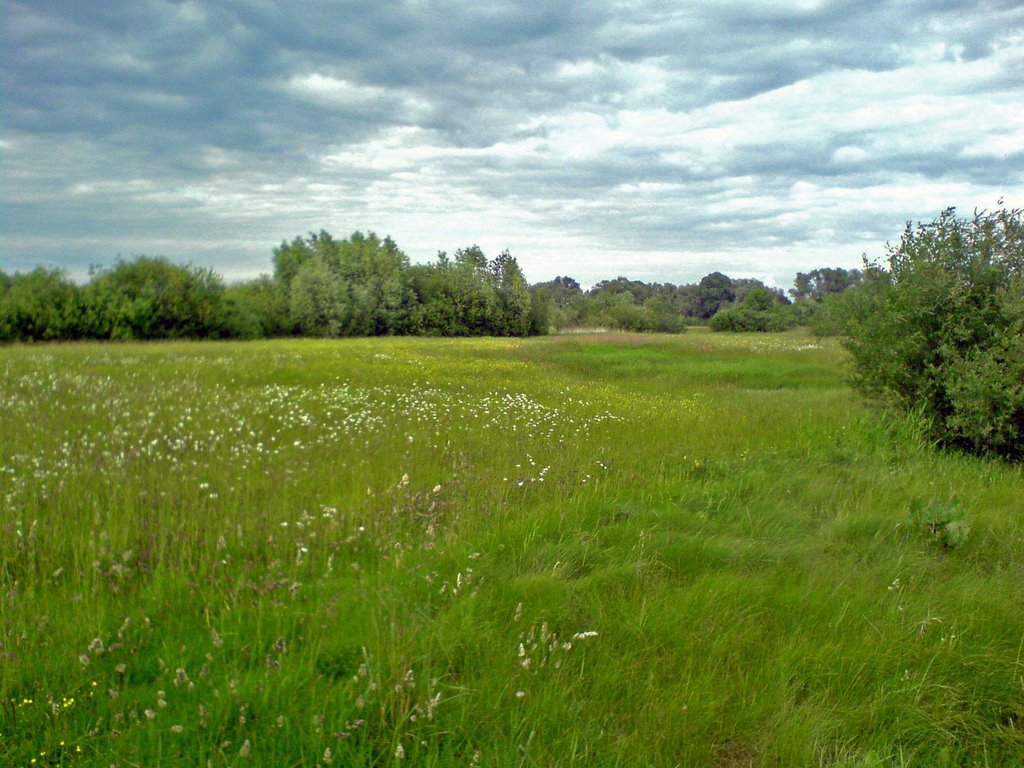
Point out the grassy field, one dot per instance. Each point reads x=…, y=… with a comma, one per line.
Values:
x=599, y=551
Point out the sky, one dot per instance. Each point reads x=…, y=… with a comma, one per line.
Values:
x=655, y=139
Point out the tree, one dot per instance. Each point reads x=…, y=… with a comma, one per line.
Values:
x=715, y=290
x=819, y=283
x=513, y=293
x=40, y=305
x=289, y=257
x=435, y=310
x=561, y=299
x=940, y=331
x=377, y=271
x=688, y=299
x=255, y=309
x=542, y=311
x=760, y=311
x=474, y=295
x=664, y=314
x=562, y=291
x=320, y=301
x=152, y=298
x=378, y=298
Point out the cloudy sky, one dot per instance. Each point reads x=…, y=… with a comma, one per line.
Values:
x=657, y=139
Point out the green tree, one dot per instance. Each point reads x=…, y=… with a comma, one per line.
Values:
x=475, y=296
x=152, y=298
x=760, y=311
x=433, y=285
x=542, y=312
x=255, y=309
x=373, y=273
x=320, y=301
x=665, y=316
x=715, y=290
x=289, y=257
x=562, y=291
x=940, y=331
x=41, y=305
x=620, y=312
x=819, y=283
x=688, y=299
x=377, y=271
x=513, y=297
x=564, y=299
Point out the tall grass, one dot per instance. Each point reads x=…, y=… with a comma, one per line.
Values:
x=674, y=551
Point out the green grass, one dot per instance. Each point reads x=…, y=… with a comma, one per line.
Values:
x=695, y=551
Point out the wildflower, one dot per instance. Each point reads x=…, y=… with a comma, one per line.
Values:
x=400, y=752
x=584, y=635
x=246, y=749
x=177, y=728
x=84, y=659
x=180, y=678
x=520, y=694
x=328, y=758
x=432, y=705
x=150, y=714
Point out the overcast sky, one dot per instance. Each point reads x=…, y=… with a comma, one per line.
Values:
x=656, y=139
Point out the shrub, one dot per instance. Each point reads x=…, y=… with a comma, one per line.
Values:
x=41, y=305
x=153, y=298
x=940, y=331
x=759, y=312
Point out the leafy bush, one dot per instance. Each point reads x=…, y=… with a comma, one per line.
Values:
x=153, y=298
x=759, y=312
x=41, y=305
x=623, y=315
x=940, y=330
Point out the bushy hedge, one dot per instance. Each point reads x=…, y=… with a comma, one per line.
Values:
x=940, y=330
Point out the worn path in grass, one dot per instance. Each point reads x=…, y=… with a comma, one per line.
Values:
x=695, y=550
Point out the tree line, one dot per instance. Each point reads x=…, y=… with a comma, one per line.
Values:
x=365, y=285
x=360, y=286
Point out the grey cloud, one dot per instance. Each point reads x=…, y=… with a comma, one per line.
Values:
x=185, y=124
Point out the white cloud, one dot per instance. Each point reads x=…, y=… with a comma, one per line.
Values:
x=339, y=93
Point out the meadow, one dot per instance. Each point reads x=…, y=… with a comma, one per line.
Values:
x=698, y=550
